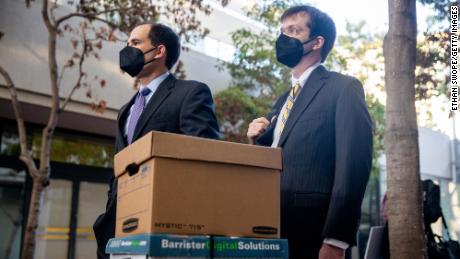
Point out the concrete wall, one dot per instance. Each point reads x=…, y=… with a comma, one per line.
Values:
x=23, y=52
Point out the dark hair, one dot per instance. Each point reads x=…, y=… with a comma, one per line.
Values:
x=160, y=34
x=320, y=25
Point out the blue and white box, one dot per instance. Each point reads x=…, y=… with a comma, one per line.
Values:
x=165, y=246
x=254, y=248
x=153, y=246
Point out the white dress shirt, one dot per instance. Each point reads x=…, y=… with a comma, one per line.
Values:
x=276, y=136
x=153, y=86
x=302, y=80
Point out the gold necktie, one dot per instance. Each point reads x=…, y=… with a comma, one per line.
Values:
x=290, y=102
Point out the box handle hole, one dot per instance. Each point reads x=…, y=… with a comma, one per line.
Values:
x=132, y=169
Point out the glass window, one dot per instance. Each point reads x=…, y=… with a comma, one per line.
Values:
x=65, y=147
x=226, y=51
x=91, y=203
x=76, y=149
x=10, y=212
x=370, y=211
x=10, y=142
x=213, y=48
x=54, y=220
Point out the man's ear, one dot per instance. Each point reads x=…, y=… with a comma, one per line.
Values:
x=319, y=43
x=161, y=52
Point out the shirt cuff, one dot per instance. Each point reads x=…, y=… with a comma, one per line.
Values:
x=336, y=243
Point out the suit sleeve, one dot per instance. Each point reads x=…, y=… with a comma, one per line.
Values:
x=266, y=138
x=353, y=159
x=197, y=117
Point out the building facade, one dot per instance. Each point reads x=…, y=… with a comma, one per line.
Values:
x=83, y=144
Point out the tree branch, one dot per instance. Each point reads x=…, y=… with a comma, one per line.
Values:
x=45, y=149
x=92, y=16
x=25, y=156
x=80, y=72
x=45, y=16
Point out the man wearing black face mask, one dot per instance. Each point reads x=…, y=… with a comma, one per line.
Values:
x=162, y=103
x=322, y=124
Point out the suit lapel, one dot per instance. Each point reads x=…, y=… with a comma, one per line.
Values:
x=306, y=95
x=163, y=91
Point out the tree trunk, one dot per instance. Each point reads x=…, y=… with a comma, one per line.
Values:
x=32, y=219
x=406, y=231
x=41, y=179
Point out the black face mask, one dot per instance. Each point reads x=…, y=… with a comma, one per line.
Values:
x=289, y=50
x=132, y=60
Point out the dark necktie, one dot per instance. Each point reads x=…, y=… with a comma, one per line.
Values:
x=138, y=107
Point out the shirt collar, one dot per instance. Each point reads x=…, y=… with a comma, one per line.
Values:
x=153, y=85
x=305, y=75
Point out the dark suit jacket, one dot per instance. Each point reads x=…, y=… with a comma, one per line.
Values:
x=177, y=106
x=327, y=154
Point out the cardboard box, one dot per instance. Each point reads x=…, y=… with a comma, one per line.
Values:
x=156, y=246
x=169, y=183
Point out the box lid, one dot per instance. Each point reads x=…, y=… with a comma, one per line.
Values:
x=169, y=145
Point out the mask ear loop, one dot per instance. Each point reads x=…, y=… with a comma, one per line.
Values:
x=150, y=50
x=308, y=41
